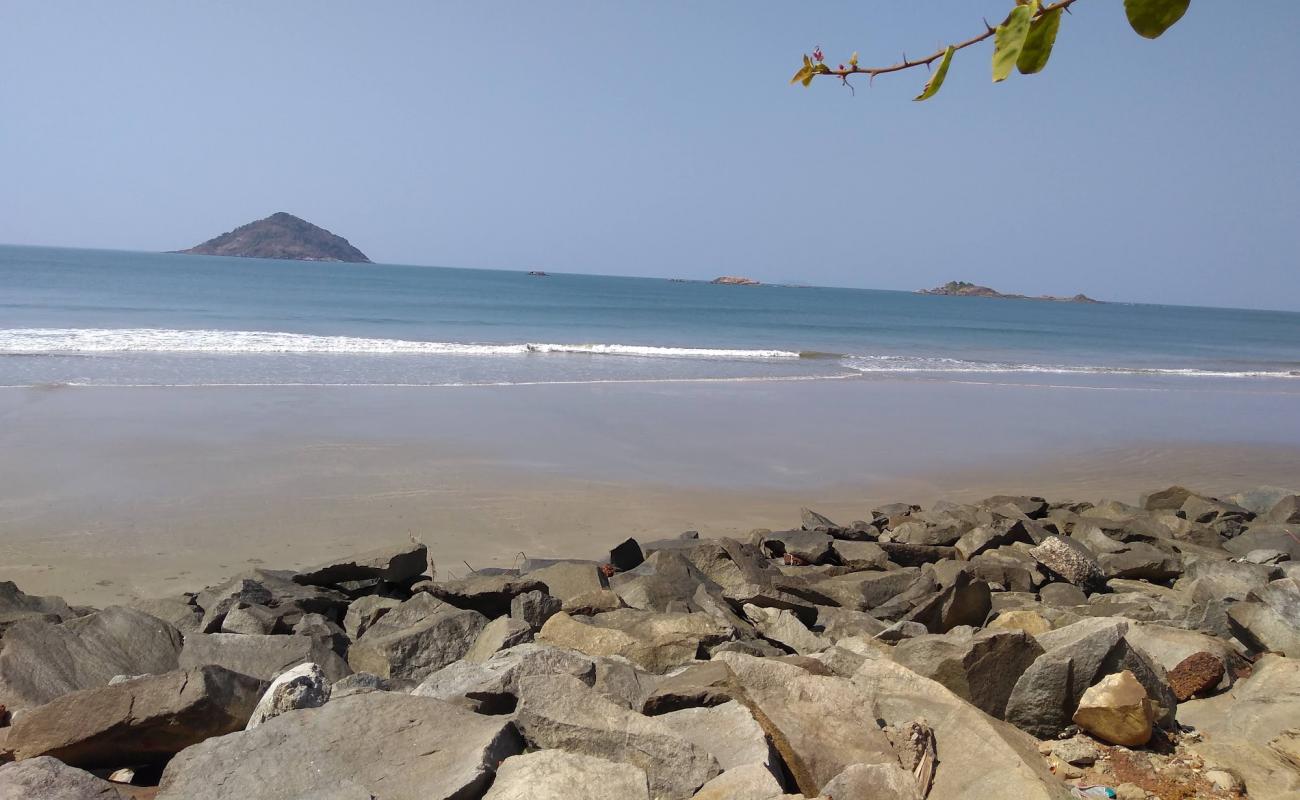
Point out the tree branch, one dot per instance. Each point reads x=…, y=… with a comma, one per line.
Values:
x=989, y=30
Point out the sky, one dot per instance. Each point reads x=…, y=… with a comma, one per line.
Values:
x=663, y=139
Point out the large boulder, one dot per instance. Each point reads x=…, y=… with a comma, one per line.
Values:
x=494, y=684
x=420, y=636
x=562, y=712
x=42, y=660
x=1269, y=621
x=274, y=589
x=1116, y=709
x=490, y=595
x=982, y=668
x=46, y=778
x=500, y=634
x=784, y=628
x=978, y=756
x=1169, y=646
x=139, y=721
x=263, y=657
x=560, y=775
x=568, y=580
x=965, y=602
x=16, y=606
x=746, y=782
x=653, y=641
x=179, y=612
x=796, y=547
x=391, y=745
x=304, y=686
x=366, y=611
x=1251, y=728
x=389, y=564
x=707, y=683
x=1071, y=561
x=1077, y=656
x=729, y=732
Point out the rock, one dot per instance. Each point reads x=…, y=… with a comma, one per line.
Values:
x=986, y=537
x=263, y=657
x=366, y=611
x=139, y=721
x=874, y=781
x=489, y=595
x=16, y=606
x=1116, y=709
x=1169, y=499
x=1224, y=781
x=918, y=533
x=390, y=564
x=251, y=620
x=559, y=775
x=1079, y=751
x=566, y=580
x=965, y=602
x=666, y=581
x=304, y=686
x=562, y=712
x=1269, y=621
x=534, y=608
x=1267, y=537
x=321, y=627
x=1130, y=791
x=864, y=591
x=1169, y=646
x=982, y=668
x=914, y=555
x=810, y=520
x=1031, y=622
x=1242, y=727
x=1285, y=511
x=698, y=685
x=784, y=628
x=653, y=641
x=861, y=555
x=1220, y=581
x=418, y=637
x=493, y=685
x=42, y=660
x=623, y=682
x=500, y=634
x=746, y=782
x=1266, y=557
x=1071, y=561
x=359, y=683
x=727, y=731
x=1078, y=656
x=1196, y=674
x=1031, y=507
x=1062, y=595
x=626, y=555
x=1261, y=500
x=178, y=612
x=46, y=778
x=1142, y=561
x=273, y=589
x=978, y=756
x=391, y=745
x=837, y=623
x=798, y=547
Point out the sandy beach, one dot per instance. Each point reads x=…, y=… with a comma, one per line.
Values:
x=112, y=494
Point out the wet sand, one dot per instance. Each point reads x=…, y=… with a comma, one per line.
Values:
x=109, y=494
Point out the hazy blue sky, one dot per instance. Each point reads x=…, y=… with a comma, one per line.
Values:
x=662, y=139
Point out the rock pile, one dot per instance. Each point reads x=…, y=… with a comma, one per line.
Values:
x=1008, y=648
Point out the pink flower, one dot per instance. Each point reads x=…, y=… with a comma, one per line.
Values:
x=818, y=56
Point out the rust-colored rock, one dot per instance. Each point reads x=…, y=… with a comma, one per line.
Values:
x=1195, y=674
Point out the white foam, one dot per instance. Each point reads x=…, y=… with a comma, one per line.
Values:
x=939, y=365
x=44, y=341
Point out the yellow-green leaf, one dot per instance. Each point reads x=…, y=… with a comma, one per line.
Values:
x=1009, y=40
x=807, y=79
x=1150, y=18
x=853, y=59
x=936, y=80
x=1038, y=44
x=799, y=76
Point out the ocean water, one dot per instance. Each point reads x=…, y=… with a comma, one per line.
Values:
x=92, y=317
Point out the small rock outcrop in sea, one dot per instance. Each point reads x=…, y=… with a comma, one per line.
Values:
x=281, y=235
x=967, y=289
x=734, y=280
x=1012, y=647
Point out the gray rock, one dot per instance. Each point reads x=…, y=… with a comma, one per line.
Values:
x=918, y=533
x=1261, y=500
x=534, y=608
x=566, y=580
x=807, y=547
x=666, y=581
x=562, y=712
x=729, y=732
x=179, y=612
x=46, y=778
x=139, y=721
x=263, y=657
x=391, y=564
x=43, y=660
x=965, y=602
x=322, y=627
x=1267, y=537
x=876, y=781
x=838, y=623
x=251, y=619
x=626, y=555
x=1266, y=557
x=621, y=681
x=863, y=591
x=1078, y=656
x=861, y=555
x=358, y=683
x=494, y=684
x=993, y=535
x=1169, y=646
x=420, y=636
x=394, y=746
x=366, y=611
x=810, y=520
x=1062, y=595
x=501, y=633
x=696, y=686
x=1270, y=620
x=745, y=782
x=1071, y=561
x=1141, y=561
x=1170, y=499
x=982, y=669
x=1285, y=511
x=784, y=628
x=304, y=686
x=914, y=555
x=559, y=775
x=489, y=595
x=15, y=606
x=652, y=641
x=273, y=589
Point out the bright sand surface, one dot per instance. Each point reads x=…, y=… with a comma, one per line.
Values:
x=112, y=493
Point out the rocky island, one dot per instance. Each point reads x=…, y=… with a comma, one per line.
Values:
x=1011, y=647
x=734, y=280
x=968, y=289
x=281, y=235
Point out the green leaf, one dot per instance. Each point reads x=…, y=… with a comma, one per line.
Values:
x=1150, y=18
x=804, y=72
x=936, y=80
x=807, y=79
x=1038, y=44
x=1010, y=40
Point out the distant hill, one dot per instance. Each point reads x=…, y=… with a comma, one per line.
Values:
x=968, y=289
x=281, y=235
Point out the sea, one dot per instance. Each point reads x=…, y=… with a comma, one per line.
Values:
x=72, y=317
